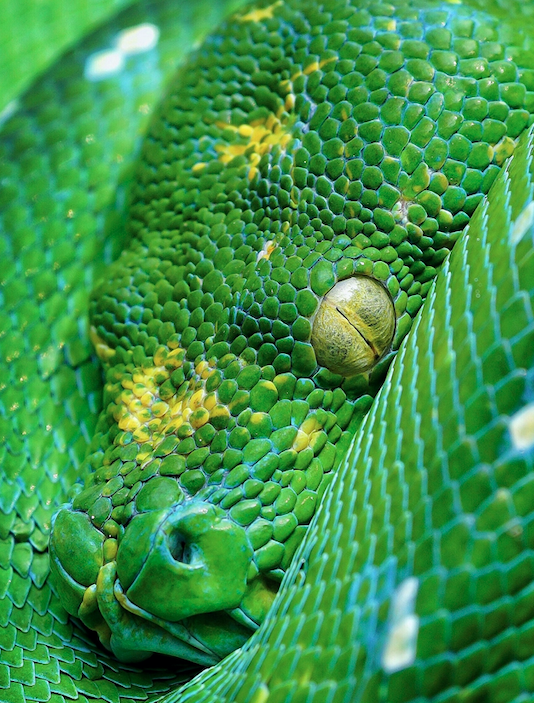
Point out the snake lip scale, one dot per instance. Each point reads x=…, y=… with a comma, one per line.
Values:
x=266, y=336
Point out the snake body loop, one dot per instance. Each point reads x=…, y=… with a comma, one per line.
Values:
x=301, y=384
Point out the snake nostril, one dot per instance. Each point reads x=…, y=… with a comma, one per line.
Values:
x=180, y=550
x=183, y=570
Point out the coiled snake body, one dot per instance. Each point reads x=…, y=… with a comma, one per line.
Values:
x=266, y=363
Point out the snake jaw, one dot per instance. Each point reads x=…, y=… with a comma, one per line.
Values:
x=133, y=634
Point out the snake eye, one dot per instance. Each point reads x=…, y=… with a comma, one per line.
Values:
x=354, y=326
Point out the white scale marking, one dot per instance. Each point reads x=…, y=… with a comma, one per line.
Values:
x=136, y=40
x=103, y=64
x=110, y=62
x=8, y=111
x=522, y=428
x=401, y=644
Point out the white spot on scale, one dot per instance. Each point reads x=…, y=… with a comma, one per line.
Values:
x=522, y=223
x=136, y=40
x=109, y=62
x=522, y=428
x=401, y=644
x=103, y=64
x=400, y=211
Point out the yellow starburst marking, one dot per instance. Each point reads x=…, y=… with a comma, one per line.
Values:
x=258, y=138
x=150, y=410
x=265, y=13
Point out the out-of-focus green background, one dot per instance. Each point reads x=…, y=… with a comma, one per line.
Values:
x=33, y=33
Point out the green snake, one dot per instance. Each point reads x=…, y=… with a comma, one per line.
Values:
x=307, y=464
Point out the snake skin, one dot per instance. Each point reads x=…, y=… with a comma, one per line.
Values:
x=414, y=580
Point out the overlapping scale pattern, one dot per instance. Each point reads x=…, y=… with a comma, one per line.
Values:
x=415, y=581
x=274, y=169
x=362, y=146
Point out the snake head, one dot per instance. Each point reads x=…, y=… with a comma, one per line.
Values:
x=178, y=542
x=165, y=587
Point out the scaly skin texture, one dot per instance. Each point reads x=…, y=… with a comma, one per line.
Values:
x=339, y=158
x=274, y=170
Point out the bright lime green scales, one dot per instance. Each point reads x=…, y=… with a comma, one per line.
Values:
x=299, y=150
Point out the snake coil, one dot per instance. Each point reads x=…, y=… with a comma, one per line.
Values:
x=297, y=373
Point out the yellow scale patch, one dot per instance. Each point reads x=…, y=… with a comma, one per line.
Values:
x=259, y=138
x=140, y=409
x=307, y=434
x=261, y=135
x=306, y=71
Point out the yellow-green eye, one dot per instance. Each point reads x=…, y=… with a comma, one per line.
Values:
x=354, y=326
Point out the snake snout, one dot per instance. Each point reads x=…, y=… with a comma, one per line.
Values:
x=166, y=588
x=174, y=564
